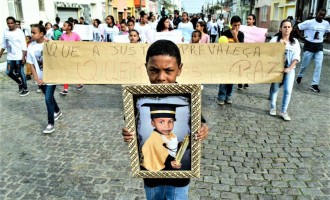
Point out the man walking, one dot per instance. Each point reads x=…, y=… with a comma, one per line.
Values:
x=314, y=30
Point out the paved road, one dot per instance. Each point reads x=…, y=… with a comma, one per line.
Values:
x=248, y=155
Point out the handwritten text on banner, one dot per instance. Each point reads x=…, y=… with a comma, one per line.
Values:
x=110, y=63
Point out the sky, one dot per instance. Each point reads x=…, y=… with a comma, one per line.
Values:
x=193, y=6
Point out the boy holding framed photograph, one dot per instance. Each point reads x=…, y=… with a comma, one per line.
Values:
x=163, y=65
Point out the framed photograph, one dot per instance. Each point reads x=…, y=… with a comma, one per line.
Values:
x=165, y=119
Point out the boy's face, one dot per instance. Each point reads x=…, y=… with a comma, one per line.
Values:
x=195, y=38
x=123, y=27
x=236, y=25
x=163, y=69
x=163, y=125
x=130, y=26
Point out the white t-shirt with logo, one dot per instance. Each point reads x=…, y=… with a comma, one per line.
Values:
x=98, y=33
x=188, y=25
x=313, y=29
x=110, y=32
x=14, y=42
x=35, y=57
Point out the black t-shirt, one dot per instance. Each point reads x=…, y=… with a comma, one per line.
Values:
x=229, y=35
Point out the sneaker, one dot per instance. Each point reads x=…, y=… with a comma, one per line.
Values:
x=57, y=115
x=80, y=87
x=246, y=86
x=28, y=77
x=285, y=116
x=221, y=102
x=315, y=88
x=49, y=129
x=24, y=92
x=239, y=86
x=229, y=101
x=272, y=112
x=20, y=88
x=298, y=80
x=64, y=92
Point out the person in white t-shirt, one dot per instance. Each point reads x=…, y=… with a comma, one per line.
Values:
x=35, y=58
x=144, y=29
x=14, y=42
x=152, y=22
x=50, y=31
x=213, y=29
x=314, y=31
x=110, y=29
x=186, y=27
x=97, y=31
x=221, y=24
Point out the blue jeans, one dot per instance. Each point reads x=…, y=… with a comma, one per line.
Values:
x=225, y=91
x=51, y=104
x=13, y=65
x=164, y=192
x=287, y=90
x=318, y=59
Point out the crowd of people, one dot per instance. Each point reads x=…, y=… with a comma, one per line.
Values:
x=26, y=47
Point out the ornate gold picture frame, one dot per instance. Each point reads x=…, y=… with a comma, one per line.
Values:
x=155, y=151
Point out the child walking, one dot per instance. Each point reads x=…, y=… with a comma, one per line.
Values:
x=35, y=59
x=69, y=36
x=163, y=64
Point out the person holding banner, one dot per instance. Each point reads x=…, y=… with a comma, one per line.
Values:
x=201, y=26
x=110, y=30
x=250, y=21
x=163, y=64
x=69, y=35
x=234, y=36
x=292, y=57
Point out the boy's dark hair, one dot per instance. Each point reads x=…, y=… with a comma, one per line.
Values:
x=196, y=31
x=164, y=47
x=123, y=21
x=235, y=19
x=56, y=25
x=176, y=12
x=11, y=18
x=323, y=10
x=131, y=21
x=82, y=18
x=70, y=19
x=40, y=27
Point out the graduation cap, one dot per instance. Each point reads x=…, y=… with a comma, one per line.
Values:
x=162, y=110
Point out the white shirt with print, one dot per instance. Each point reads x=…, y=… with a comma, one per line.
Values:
x=35, y=57
x=311, y=27
x=110, y=32
x=14, y=42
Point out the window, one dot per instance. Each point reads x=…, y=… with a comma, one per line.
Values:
x=41, y=5
x=275, y=11
x=15, y=9
x=264, y=13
